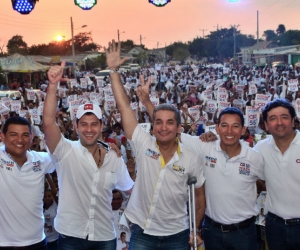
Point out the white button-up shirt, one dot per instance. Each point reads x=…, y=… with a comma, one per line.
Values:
x=85, y=191
x=158, y=202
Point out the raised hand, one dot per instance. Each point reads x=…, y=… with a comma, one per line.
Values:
x=113, y=58
x=55, y=73
x=143, y=89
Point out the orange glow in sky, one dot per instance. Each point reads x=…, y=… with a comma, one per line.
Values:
x=180, y=20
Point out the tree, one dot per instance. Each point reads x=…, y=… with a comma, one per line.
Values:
x=2, y=75
x=142, y=57
x=17, y=45
x=281, y=29
x=181, y=54
x=291, y=37
x=269, y=35
x=128, y=44
x=97, y=62
x=84, y=42
x=171, y=48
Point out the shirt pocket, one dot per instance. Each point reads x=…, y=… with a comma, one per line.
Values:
x=110, y=181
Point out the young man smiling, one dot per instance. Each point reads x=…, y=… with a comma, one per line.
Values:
x=87, y=174
x=22, y=175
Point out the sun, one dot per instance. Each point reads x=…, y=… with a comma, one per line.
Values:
x=59, y=38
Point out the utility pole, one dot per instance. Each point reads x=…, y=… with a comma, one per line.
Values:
x=234, y=39
x=157, y=44
x=73, y=49
x=203, y=31
x=257, y=28
x=118, y=35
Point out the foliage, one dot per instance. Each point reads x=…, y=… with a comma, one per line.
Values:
x=97, y=62
x=142, y=58
x=269, y=35
x=171, y=48
x=281, y=29
x=2, y=75
x=17, y=45
x=290, y=37
x=180, y=54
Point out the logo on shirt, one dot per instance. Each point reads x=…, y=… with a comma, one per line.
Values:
x=8, y=164
x=298, y=160
x=244, y=168
x=36, y=166
x=152, y=154
x=210, y=161
x=178, y=169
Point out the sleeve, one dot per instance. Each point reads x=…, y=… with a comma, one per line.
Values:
x=197, y=171
x=192, y=142
x=139, y=138
x=61, y=150
x=48, y=164
x=124, y=182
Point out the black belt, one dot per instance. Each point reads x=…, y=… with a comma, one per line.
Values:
x=36, y=245
x=289, y=222
x=231, y=227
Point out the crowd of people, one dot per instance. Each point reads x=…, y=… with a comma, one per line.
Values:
x=103, y=162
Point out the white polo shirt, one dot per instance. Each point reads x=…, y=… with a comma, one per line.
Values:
x=85, y=191
x=282, y=176
x=230, y=184
x=21, y=198
x=158, y=202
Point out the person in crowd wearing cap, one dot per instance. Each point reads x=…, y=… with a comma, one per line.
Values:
x=282, y=175
x=157, y=206
x=22, y=174
x=87, y=173
x=272, y=94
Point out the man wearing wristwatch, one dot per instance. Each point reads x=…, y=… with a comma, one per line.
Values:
x=230, y=170
x=157, y=206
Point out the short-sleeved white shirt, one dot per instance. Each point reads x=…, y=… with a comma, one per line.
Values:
x=158, y=200
x=85, y=191
x=282, y=176
x=21, y=198
x=230, y=184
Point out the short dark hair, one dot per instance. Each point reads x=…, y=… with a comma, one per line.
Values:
x=232, y=111
x=18, y=120
x=116, y=191
x=169, y=108
x=280, y=102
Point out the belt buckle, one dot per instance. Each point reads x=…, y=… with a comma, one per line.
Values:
x=224, y=231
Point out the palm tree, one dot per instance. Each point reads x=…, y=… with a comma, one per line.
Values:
x=281, y=29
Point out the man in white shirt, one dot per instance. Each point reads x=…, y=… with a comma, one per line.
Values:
x=87, y=173
x=22, y=175
x=157, y=206
x=282, y=175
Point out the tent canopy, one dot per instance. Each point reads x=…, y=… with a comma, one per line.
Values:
x=21, y=64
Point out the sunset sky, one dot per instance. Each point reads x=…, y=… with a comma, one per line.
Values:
x=180, y=20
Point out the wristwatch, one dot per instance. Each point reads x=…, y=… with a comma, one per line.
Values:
x=111, y=71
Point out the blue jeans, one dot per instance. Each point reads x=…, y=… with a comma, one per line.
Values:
x=280, y=236
x=241, y=239
x=141, y=241
x=72, y=243
x=52, y=245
